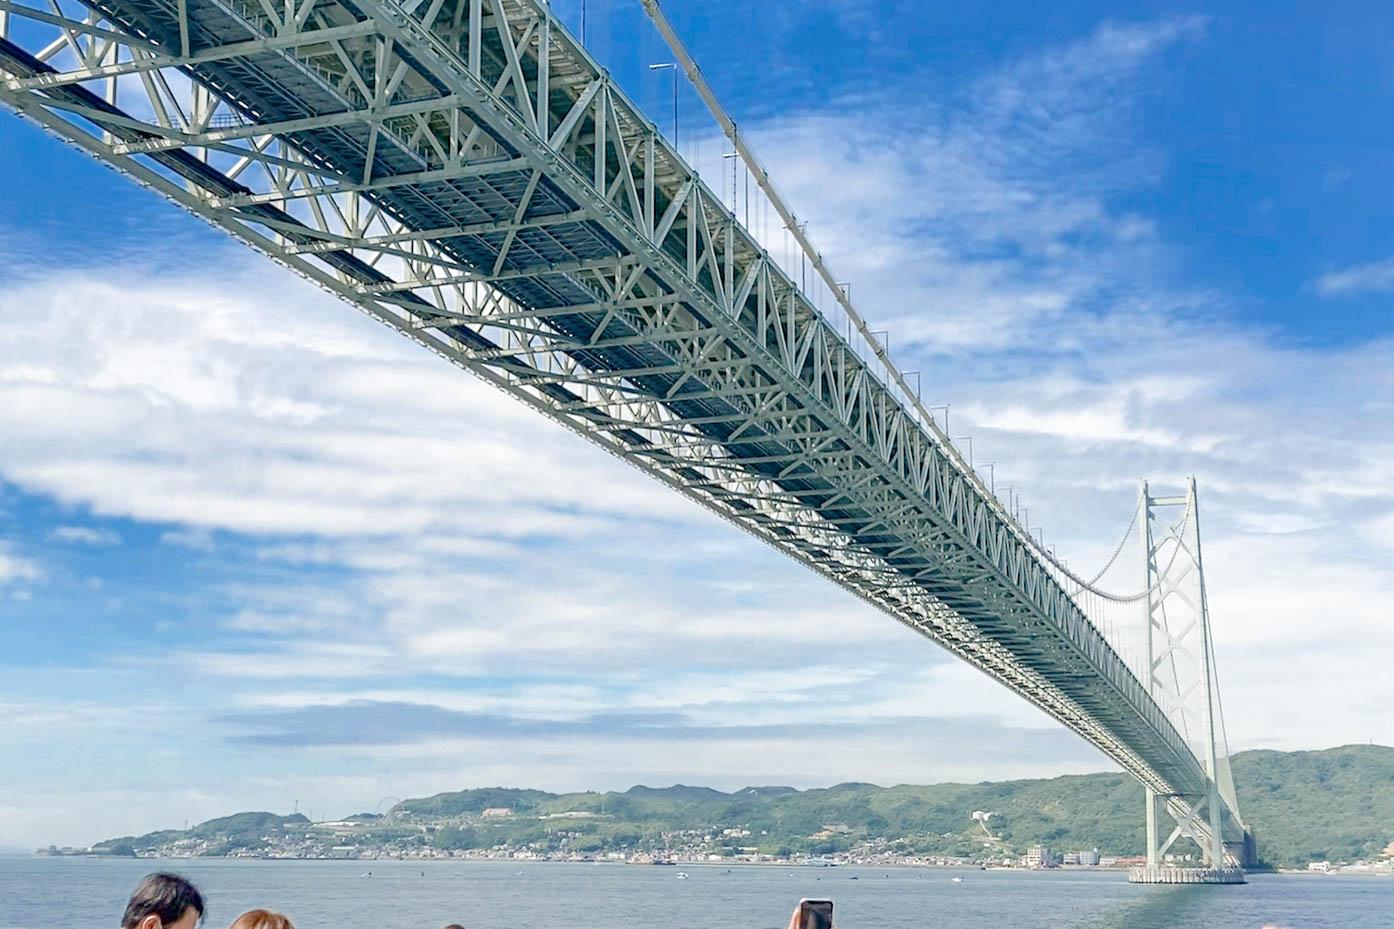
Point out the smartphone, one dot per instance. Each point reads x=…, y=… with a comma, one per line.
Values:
x=815, y=914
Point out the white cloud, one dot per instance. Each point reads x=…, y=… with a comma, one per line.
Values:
x=15, y=568
x=981, y=221
x=243, y=419
x=85, y=535
x=1377, y=276
x=40, y=715
x=297, y=660
x=524, y=616
x=196, y=539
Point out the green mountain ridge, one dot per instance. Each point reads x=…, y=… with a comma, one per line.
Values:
x=1334, y=804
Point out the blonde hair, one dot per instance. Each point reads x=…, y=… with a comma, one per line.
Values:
x=261, y=919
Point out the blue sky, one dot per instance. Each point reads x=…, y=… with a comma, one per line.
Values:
x=256, y=550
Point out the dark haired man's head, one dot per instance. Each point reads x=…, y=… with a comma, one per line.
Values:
x=163, y=901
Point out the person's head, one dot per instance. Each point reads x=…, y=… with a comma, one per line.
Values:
x=261, y=919
x=163, y=901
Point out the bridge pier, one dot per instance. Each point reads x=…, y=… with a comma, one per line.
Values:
x=1174, y=874
x=1201, y=824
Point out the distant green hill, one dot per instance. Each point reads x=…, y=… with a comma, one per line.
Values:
x=222, y=835
x=1335, y=804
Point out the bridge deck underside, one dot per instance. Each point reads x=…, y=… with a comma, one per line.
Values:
x=607, y=321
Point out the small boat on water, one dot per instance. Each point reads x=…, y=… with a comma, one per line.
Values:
x=681, y=875
x=956, y=880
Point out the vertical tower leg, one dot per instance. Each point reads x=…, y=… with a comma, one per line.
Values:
x=1215, y=853
x=1154, y=839
x=1154, y=852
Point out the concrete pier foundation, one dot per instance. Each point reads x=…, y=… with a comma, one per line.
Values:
x=1171, y=874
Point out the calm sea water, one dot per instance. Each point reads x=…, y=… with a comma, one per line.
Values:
x=75, y=893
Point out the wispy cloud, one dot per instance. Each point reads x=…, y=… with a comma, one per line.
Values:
x=1375, y=277
x=317, y=425
x=197, y=539
x=15, y=568
x=981, y=221
x=85, y=535
x=374, y=723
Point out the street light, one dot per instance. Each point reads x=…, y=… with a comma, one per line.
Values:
x=885, y=342
x=664, y=66
x=964, y=438
x=732, y=156
x=945, y=408
x=847, y=290
x=906, y=374
x=803, y=282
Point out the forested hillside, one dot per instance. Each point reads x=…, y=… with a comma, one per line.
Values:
x=1335, y=804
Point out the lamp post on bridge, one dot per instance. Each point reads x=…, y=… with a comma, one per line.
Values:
x=945, y=408
x=803, y=255
x=969, y=440
x=885, y=335
x=847, y=289
x=906, y=374
x=732, y=157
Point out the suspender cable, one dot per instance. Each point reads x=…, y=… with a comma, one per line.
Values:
x=798, y=229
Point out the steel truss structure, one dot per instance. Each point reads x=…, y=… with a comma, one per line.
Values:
x=464, y=172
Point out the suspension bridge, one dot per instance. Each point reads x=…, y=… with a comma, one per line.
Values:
x=465, y=172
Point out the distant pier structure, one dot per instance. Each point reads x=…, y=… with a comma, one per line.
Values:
x=1175, y=874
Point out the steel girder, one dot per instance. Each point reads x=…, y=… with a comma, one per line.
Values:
x=462, y=171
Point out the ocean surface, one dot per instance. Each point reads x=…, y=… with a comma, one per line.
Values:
x=78, y=893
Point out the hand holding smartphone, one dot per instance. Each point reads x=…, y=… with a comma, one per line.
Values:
x=815, y=914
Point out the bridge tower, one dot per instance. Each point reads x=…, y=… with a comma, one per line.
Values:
x=1181, y=678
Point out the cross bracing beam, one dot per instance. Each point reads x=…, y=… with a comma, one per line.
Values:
x=489, y=277
x=308, y=191
x=498, y=118
x=156, y=62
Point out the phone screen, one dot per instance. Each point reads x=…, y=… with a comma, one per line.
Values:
x=816, y=914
